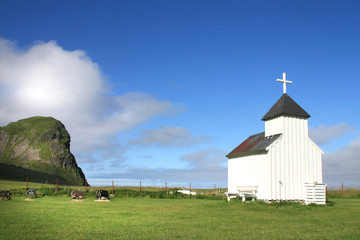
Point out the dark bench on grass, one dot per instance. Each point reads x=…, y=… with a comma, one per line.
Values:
x=31, y=193
x=102, y=194
x=77, y=194
x=5, y=195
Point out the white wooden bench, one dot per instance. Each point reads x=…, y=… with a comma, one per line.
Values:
x=243, y=192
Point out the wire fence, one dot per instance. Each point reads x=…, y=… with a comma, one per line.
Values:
x=198, y=186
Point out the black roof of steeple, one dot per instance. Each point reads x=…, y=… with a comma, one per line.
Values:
x=285, y=106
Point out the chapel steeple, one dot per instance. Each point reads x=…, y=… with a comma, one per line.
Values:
x=285, y=105
x=285, y=116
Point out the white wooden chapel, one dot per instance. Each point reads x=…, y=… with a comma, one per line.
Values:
x=282, y=163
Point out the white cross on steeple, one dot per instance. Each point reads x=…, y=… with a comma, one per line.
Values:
x=284, y=81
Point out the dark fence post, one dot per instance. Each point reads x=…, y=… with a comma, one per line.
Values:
x=190, y=190
x=57, y=184
x=27, y=183
x=140, y=186
x=112, y=186
x=342, y=188
x=326, y=192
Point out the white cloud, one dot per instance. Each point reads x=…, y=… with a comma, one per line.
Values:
x=324, y=134
x=168, y=136
x=206, y=166
x=206, y=159
x=343, y=166
x=46, y=80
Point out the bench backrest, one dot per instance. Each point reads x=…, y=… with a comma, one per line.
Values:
x=247, y=188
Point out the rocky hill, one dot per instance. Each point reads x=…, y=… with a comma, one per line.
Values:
x=38, y=148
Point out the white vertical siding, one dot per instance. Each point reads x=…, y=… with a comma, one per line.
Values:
x=295, y=159
x=301, y=156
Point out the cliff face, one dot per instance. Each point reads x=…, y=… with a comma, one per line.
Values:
x=38, y=148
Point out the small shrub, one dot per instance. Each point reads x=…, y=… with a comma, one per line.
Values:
x=52, y=192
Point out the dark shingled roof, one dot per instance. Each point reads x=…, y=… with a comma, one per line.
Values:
x=285, y=106
x=254, y=144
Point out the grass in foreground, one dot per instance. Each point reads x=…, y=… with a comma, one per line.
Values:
x=58, y=217
x=143, y=218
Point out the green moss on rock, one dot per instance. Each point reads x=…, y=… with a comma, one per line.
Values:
x=41, y=145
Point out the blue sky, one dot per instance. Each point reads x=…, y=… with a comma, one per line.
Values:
x=162, y=90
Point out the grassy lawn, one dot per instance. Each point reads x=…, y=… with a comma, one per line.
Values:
x=144, y=218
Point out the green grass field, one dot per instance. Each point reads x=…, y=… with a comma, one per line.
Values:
x=58, y=217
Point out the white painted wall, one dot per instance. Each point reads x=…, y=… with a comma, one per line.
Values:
x=246, y=171
x=274, y=126
x=282, y=125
